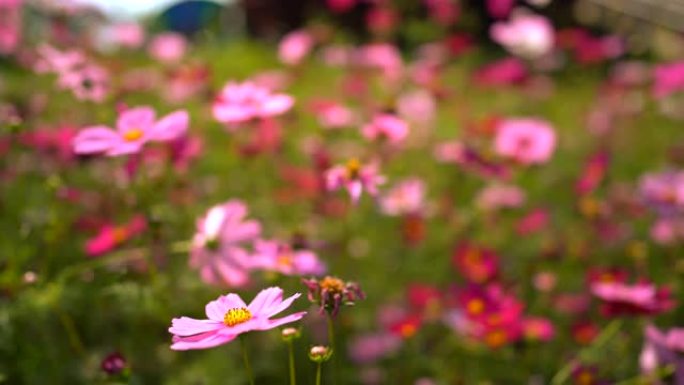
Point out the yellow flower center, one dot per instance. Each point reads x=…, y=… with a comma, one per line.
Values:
x=332, y=284
x=353, y=168
x=133, y=134
x=285, y=259
x=475, y=306
x=496, y=338
x=237, y=316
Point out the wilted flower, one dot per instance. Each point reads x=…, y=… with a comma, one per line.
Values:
x=134, y=128
x=331, y=292
x=355, y=178
x=228, y=317
x=241, y=102
x=217, y=247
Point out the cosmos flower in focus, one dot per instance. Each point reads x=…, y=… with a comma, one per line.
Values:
x=229, y=316
x=241, y=102
x=525, y=140
x=134, y=128
x=355, y=178
x=218, y=245
x=527, y=36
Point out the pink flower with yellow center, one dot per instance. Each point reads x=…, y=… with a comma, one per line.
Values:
x=134, y=128
x=242, y=102
x=229, y=316
x=355, y=178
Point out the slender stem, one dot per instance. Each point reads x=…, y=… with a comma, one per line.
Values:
x=293, y=378
x=245, y=357
x=318, y=374
x=331, y=332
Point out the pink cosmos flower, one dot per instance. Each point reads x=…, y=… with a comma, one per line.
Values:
x=417, y=106
x=229, y=316
x=663, y=192
x=498, y=196
x=641, y=298
x=662, y=349
x=134, y=128
x=527, y=36
x=444, y=12
x=89, y=82
x=295, y=46
x=533, y=222
x=10, y=25
x=217, y=247
x=477, y=264
x=341, y=6
x=407, y=197
x=381, y=56
x=128, y=35
x=668, y=78
x=52, y=60
x=500, y=9
x=386, y=126
x=333, y=115
x=526, y=140
x=239, y=103
x=505, y=72
x=111, y=236
x=168, y=47
x=355, y=178
x=279, y=257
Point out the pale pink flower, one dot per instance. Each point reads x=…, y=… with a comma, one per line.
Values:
x=129, y=35
x=527, y=36
x=381, y=56
x=52, y=60
x=217, y=247
x=498, y=196
x=525, y=140
x=241, y=102
x=295, y=46
x=386, y=127
x=417, y=106
x=168, y=47
x=282, y=258
x=355, y=178
x=453, y=151
x=134, y=128
x=229, y=316
x=334, y=115
x=89, y=82
x=406, y=197
x=337, y=55
x=10, y=25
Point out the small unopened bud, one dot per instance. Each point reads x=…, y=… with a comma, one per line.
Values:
x=290, y=334
x=320, y=353
x=114, y=364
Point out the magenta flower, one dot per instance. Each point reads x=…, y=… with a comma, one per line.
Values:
x=10, y=25
x=407, y=197
x=504, y=72
x=111, y=236
x=168, y=47
x=668, y=79
x=386, y=127
x=282, y=258
x=239, y=103
x=355, y=178
x=295, y=46
x=217, y=247
x=641, y=298
x=527, y=36
x=527, y=141
x=134, y=128
x=229, y=316
x=500, y=9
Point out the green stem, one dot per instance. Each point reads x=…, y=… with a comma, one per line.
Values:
x=318, y=374
x=331, y=332
x=293, y=377
x=245, y=358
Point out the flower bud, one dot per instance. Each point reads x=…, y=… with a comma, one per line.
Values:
x=320, y=353
x=290, y=334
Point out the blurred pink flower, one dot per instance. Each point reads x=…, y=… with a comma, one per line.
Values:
x=641, y=298
x=110, y=236
x=525, y=140
x=406, y=197
x=505, y=72
x=333, y=115
x=355, y=178
x=382, y=56
x=217, y=247
x=444, y=12
x=527, y=36
x=341, y=6
x=10, y=25
x=663, y=192
x=282, y=258
x=52, y=60
x=134, y=128
x=477, y=264
x=128, y=34
x=386, y=127
x=295, y=46
x=168, y=47
x=417, y=106
x=500, y=9
x=229, y=316
x=241, y=102
x=89, y=82
x=662, y=349
x=668, y=78
x=498, y=196
x=533, y=222
x=538, y=329
x=594, y=171
x=368, y=348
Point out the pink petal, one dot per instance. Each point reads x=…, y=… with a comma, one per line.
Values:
x=276, y=105
x=141, y=118
x=170, y=127
x=186, y=326
x=203, y=341
x=217, y=309
x=94, y=139
x=278, y=307
x=270, y=324
x=264, y=300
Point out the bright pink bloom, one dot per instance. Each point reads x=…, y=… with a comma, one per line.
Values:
x=229, y=316
x=295, y=46
x=641, y=298
x=110, y=236
x=668, y=79
x=406, y=197
x=168, y=47
x=527, y=141
x=386, y=127
x=662, y=349
x=282, y=258
x=241, y=102
x=10, y=25
x=382, y=56
x=355, y=178
x=217, y=247
x=134, y=128
x=477, y=264
x=527, y=36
